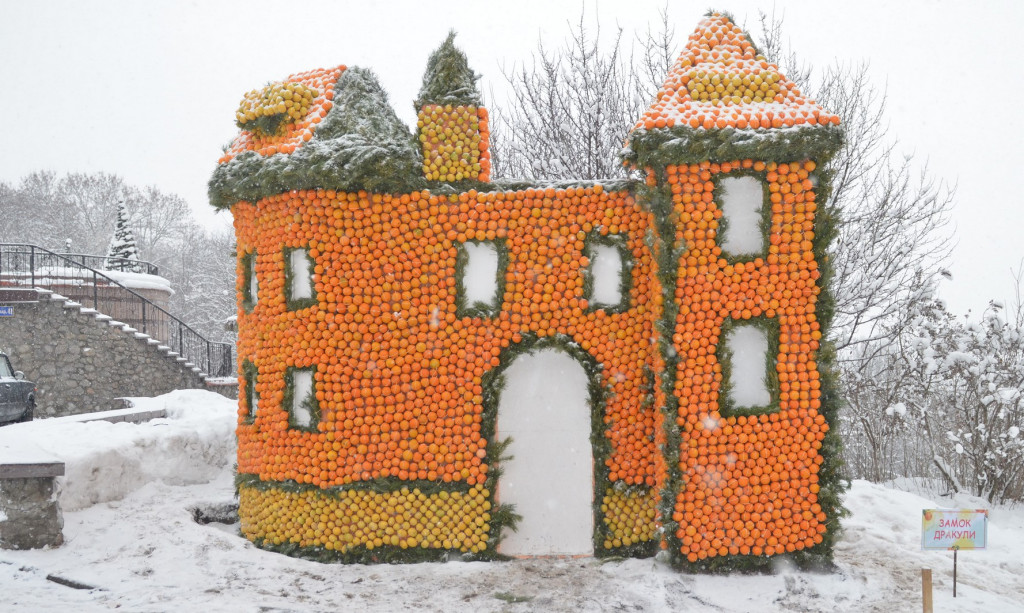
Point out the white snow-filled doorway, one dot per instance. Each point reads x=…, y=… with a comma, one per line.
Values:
x=545, y=409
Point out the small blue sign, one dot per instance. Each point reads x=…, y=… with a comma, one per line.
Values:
x=6, y=311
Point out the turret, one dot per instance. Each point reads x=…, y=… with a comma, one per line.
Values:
x=451, y=120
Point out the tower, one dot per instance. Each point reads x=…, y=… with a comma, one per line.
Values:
x=735, y=159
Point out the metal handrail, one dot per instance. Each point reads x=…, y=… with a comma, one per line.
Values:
x=24, y=264
x=106, y=262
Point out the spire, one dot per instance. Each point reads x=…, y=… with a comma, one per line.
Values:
x=720, y=80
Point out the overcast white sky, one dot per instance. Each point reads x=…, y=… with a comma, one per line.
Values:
x=148, y=89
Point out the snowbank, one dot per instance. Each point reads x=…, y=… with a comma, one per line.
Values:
x=145, y=553
x=106, y=461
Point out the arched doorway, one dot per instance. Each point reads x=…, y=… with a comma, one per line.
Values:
x=544, y=407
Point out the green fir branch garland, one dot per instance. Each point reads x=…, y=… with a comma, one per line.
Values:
x=494, y=384
x=684, y=145
x=668, y=252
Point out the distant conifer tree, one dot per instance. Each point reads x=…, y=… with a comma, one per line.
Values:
x=122, y=245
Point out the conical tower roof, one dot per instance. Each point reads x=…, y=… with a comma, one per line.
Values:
x=721, y=87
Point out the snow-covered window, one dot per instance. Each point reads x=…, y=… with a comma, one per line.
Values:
x=300, y=292
x=480, y=278
x=748, y=368
x=300, y=399
x=608, y=276
x=250, y=284
x=742, y=231
x=252, y=399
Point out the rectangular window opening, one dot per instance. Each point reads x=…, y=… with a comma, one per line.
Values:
x=299, y=279
x=743, y=229
x=749, y=379
x=252, y=398
x=250, y=283
x=300, y=399
x=609, y=275
x=480, y=281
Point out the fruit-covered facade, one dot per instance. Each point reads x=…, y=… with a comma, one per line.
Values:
x=373, y=367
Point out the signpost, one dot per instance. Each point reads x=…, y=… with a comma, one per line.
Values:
x=954, y=529
x=6, y=311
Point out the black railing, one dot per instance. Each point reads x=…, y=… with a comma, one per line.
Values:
x=102, y=262
x=28, y=266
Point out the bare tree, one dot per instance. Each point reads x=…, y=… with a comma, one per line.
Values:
x=47, y=210
x=894, y=215
x=569, y=112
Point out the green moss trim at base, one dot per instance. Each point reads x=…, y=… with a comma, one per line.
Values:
x=387, y=554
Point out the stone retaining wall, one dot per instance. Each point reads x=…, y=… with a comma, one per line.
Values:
x=32, y=515
x=80, y=363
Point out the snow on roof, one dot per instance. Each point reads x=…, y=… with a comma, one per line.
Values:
x=721, y=81
x=264, y=103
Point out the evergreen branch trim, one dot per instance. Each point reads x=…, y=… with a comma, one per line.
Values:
x=448, y=79
x=684, y=145
x=493, y=382
x=385, y=554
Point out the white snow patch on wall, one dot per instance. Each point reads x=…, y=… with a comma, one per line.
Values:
x=748, y=347
x=302, y=392
x=545, y=409
x=480, y=275
x=302, y=274
x=606, y=274
x=741, y=202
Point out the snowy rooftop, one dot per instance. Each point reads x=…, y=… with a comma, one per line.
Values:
x=292, y=134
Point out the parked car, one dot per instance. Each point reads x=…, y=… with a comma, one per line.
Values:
x=17, y=396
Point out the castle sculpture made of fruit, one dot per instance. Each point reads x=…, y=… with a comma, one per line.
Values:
x=387, y=285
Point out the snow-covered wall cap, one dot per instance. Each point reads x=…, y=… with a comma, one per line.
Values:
x=291, y=109
x=721, y=89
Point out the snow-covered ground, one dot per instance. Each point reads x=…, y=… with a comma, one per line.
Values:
x=131, y=536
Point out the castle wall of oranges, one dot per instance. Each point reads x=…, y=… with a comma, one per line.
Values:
x=387, y=286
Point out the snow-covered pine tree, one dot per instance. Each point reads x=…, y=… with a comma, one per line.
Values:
x=122, y=245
